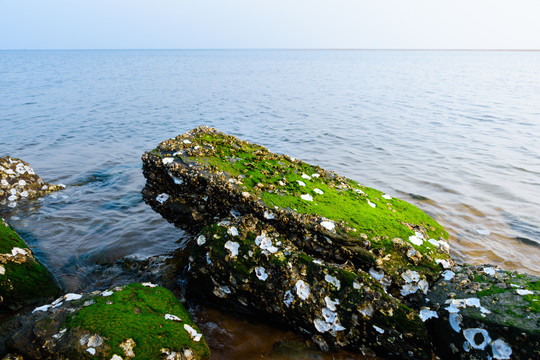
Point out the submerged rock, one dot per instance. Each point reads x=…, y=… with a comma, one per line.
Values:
x=335, y=305
x=140, y=321
x=485, y=312
x=23, y=280
x=19, y=182
x=204, y=176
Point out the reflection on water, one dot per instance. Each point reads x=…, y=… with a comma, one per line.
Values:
x=455, y=133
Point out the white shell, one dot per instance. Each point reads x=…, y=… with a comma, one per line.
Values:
x=318, y=191
x=331, y=304
x=448, y=275
x=232, y=247
x=288, y=298
x=195, y=336
x=426, y=314
x=470, y=335
x=321, y=325
x=172, y=317
x=524, y=292
x=416, y=240
x=233, y=231
x=379, y=330
x=307, y=177
x=377, y=275
x=371, y=204
x=386, y=196
x=268, y=215
x=455, y=322
x=489, y=271
x=302, y=289
x=328, y=315
x=500, y=349
x=261, y=274
x=306, y=197
x=328, y=225
x=161, y=198
x=167, y=160
x=107, y=293
x=201, y=240
x=333, y=280
x=301, y=183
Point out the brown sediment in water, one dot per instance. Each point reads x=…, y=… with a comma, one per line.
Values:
x=234, y=337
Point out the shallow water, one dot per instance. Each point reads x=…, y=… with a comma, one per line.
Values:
x=453, y=132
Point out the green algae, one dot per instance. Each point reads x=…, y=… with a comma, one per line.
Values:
x=340, y=201
x=137, y=312
x=25, y=280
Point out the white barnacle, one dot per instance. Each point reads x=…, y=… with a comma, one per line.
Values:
x=489, y=270
x=176, y=180
x=371, y=204
x=269, y=215
x=444, y=263
x=386, y=196
x=331, y=304
x=148, y=284
x=42, y=308
x=333, y=281
x=524, y=292
x=336, y=325
x=426, y=314
x=328, y=225
x=72, y=296
x=195, y=336
x=232, y=247
x=161, y=198
x=22, y=183
x=306, y=197
x=301, y=183
x=186, y=141
x=471, y=336
x=12, y=197
x=378, y=329
x=261, y=274
x=24, y=194
x=167, y=160
x=328, y=315
x=501, y=350
x=408, y=288
x=321, y=325
x=172, y=317
x=201, y=240
x=448, y=275
x=91, y=350
x=410, y=276
x=232, y=231
x=302, y=289
x=423, y=286
x=288, y=298
x=377, y=275
x=416, y=240
x=455, y=322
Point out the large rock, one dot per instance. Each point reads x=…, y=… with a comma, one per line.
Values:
x=23, y=280
x=246, y=263
x=19, y=182
x=200, y=177
x=139, y=321
x=484, y=312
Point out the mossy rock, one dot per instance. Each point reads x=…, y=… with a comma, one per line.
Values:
x=484, y=312
x=19, y=182
x=205, y=175
x=23, y=280
x=246, y=263
x=138, y=321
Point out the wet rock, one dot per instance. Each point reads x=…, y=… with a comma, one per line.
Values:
x=204, y=176
x=19, y=182
x=486, y=313
x=337, y=306
x=23, y=280
x=125, y=322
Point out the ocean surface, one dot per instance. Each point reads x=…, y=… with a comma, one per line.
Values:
x=455, y=133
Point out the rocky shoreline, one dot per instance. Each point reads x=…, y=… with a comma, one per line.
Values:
x=344, y=265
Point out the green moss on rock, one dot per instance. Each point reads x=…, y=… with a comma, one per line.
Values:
x=23, y=280
x=205, y=174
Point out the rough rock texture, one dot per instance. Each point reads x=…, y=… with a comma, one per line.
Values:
x=138, y=321
x=245, y=262
x=203, y=176
x=23, y=280
x=19, y=182
x=484, y=312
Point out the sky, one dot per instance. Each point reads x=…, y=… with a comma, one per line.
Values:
x=246, y=24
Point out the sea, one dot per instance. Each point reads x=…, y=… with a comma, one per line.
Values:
x=454, y=132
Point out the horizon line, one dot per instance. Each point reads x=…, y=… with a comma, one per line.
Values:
x=282, y=49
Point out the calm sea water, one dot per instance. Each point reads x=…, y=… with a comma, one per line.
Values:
x=455, y=133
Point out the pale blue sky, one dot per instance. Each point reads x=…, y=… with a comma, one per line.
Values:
x=120, y=24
